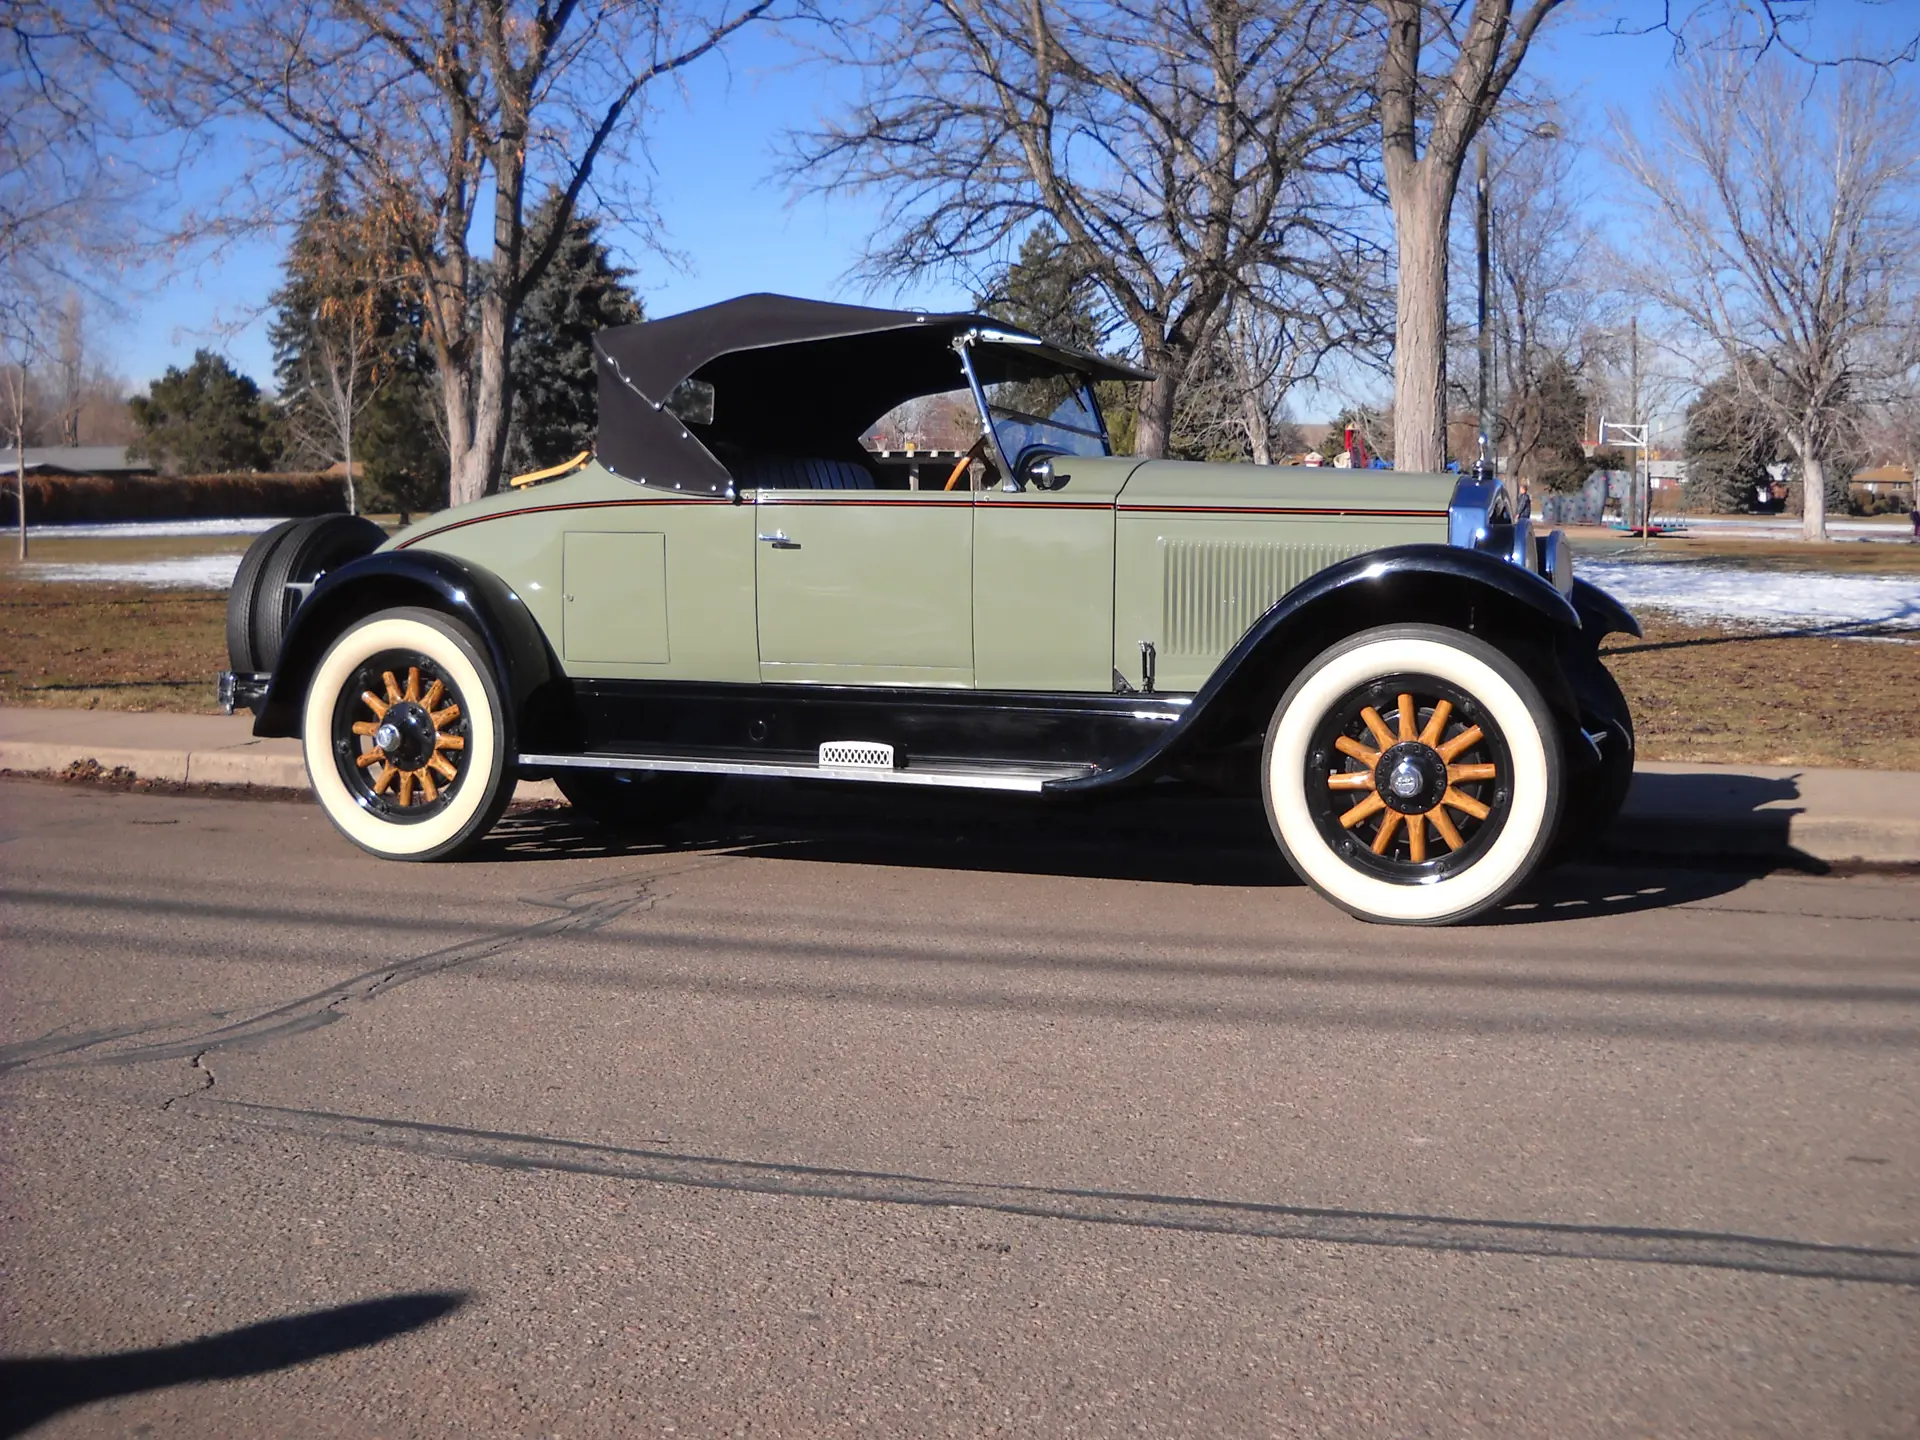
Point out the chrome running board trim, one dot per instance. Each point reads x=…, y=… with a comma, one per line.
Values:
x=1025, y=779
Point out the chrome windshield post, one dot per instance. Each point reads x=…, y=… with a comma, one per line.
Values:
x=962, y=346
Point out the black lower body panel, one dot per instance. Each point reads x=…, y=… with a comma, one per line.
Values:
x=926, y=727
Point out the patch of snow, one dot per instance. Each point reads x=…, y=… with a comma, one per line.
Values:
x=185, y=572
x=152, y=529
x=1771, y=599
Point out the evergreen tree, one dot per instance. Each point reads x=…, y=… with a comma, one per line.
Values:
x=1046, y=292
x=1728, y=445
x=556, y=405
x=205, y=419
x=1553, y=419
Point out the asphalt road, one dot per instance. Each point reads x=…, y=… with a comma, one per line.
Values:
x=952, y=1121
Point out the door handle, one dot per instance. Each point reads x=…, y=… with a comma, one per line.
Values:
x=779, y=541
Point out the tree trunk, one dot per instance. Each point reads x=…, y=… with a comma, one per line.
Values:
x=353, y=500
x=1813, y=499
x=493, y=400
x=466, y=481
x=20, y=485
x=1420, y=325
x=1153, y=424
x=1259, y=437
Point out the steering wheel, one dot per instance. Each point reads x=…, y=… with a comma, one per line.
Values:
x=977, y=451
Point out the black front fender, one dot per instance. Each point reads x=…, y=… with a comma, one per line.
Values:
x=529, y=676
x=1601, y=615
x=1427, y=584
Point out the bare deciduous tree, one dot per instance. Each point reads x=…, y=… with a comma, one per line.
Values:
x=1444, y=66
x=1269, y=354
x=438, y=116
x=1543, y=301
x=1183, y=148
x=58, y=191
x=1782, y=227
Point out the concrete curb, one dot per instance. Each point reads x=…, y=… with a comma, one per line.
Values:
x=268, y=768
x=204, y=767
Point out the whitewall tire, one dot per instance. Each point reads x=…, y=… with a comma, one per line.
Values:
x=406, y=742
x=1413, y=775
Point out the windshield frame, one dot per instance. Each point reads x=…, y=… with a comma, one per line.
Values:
x=990, y=414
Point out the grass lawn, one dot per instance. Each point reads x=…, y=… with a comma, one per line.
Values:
x=1720, y=694
x=1841, y=557
x=1699, y=692
x=110, y=647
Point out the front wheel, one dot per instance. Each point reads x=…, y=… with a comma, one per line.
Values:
x=1413, y=775
x=406, y=740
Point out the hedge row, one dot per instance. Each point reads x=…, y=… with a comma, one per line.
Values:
x=88, y=499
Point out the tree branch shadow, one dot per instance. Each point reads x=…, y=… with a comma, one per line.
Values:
x=33, y=1390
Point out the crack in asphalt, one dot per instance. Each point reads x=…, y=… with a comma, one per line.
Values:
x=198, y=1064
x=1554, y=1240
x=579, y=909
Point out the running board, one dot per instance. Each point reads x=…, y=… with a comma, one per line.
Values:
x=952, y=775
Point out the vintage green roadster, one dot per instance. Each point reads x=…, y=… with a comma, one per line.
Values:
x=735, y=585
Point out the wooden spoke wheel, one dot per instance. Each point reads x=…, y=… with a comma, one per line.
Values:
x=1413, y=775
x=1410, y=777
x=404, y=754
x=405, y=738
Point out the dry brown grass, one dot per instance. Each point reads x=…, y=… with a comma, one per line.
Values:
x=110, y=647
x=1841, y=557
x=1717, y=694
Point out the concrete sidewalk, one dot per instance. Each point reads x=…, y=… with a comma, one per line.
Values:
x=1674, y=811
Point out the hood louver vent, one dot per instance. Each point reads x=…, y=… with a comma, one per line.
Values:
x=1215, y=589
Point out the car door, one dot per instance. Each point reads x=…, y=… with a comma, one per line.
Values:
x=1043, y=581
x=865, y=587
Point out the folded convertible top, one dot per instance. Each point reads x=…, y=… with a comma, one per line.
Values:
x=800, y=375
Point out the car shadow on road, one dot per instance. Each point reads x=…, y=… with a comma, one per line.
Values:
x=34, y=1390
x=1167, y=834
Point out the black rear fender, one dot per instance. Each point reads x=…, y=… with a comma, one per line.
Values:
x=530, y=677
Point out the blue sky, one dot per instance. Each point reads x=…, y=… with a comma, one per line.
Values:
x=713, y=154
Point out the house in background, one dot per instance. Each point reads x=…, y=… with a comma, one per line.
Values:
x=1895, y=480
x=78, y=460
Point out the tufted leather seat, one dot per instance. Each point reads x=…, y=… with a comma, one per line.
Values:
x=761, y=470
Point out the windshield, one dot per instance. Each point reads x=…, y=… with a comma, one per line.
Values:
x=1037, y=406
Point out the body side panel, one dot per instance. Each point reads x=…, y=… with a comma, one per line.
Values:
x=865, y=586
x=1043, y=580
x=1203, y=551
x=705, y=547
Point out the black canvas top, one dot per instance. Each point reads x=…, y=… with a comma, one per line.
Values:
x=803, y=376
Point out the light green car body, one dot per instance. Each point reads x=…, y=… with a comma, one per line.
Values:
x=1030, y=590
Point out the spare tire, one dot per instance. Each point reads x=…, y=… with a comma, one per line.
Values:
x=309, y=551
x=242, y=597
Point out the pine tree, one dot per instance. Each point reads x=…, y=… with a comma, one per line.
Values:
x=1553, y=418
x=205, y=419
x=1729, y=444
x=1045, y=292
x=556, y=406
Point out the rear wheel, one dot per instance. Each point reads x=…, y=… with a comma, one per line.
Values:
x=1412, y=775
x=406, y=740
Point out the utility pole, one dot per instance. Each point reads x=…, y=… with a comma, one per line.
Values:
x=1643, y=471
